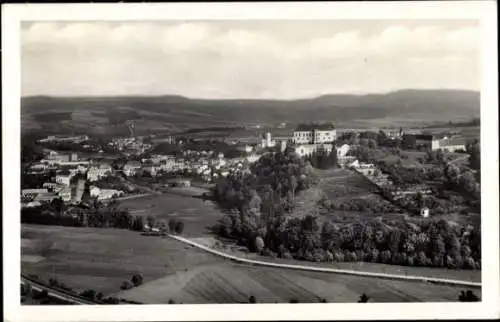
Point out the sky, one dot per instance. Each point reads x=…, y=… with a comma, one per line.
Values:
x=272, y=59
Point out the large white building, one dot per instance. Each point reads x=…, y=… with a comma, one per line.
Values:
x=314, y=134
x=95, y=173
x=452, y=145
x=307, y=149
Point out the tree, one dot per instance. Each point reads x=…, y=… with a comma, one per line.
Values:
x=26, y=289
x=171, y=225
x=126, y=285
x=409, y=142
x=474, y=150
x=150, y=220
x=136, y=279
x=468, y=182
x=363, y=298
x=171, y=301
x=179, y=227
x=468, y=296
x=252, y=299
x=90, y=294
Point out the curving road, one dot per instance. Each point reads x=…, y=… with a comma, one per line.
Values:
x=328, y=270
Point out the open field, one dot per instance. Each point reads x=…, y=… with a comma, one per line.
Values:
x=343, y=183
x=235, y=283
x=101, y=259
x=197, y=214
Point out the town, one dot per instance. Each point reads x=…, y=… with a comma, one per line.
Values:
x=68, y=175
x=259, y=161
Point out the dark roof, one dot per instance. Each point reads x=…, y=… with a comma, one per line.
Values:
x=312, y=126
x=426, y=137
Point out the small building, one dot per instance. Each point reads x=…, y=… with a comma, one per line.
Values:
x=96, y=173
x=424, y=212
x=64, y=178
x=65, y=194
x=131, y=168
x=32, y=192
x=46, y=197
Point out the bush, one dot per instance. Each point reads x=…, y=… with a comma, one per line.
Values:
x=252, y=299
x=363, y=298
x=90, y=294
x=179, y=227
x=126, y=285
x=468, y=296
x=137, y=279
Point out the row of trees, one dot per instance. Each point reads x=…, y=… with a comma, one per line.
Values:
x=431, y=243
x=474, y=150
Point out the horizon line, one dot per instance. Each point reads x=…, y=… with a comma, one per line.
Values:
x=252, y=99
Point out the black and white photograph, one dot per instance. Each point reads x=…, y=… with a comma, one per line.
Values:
x=214, y=160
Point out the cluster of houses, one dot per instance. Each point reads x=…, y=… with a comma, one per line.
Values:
x=133, y=145
x=202, y=163
x=66, y=167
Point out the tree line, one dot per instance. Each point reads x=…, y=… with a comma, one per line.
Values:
x=95, y=215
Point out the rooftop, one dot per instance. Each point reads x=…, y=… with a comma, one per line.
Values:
x=452, y=142
x=315, y=126
x=133, y=164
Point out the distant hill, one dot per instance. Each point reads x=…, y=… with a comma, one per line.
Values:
x=172, y=113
